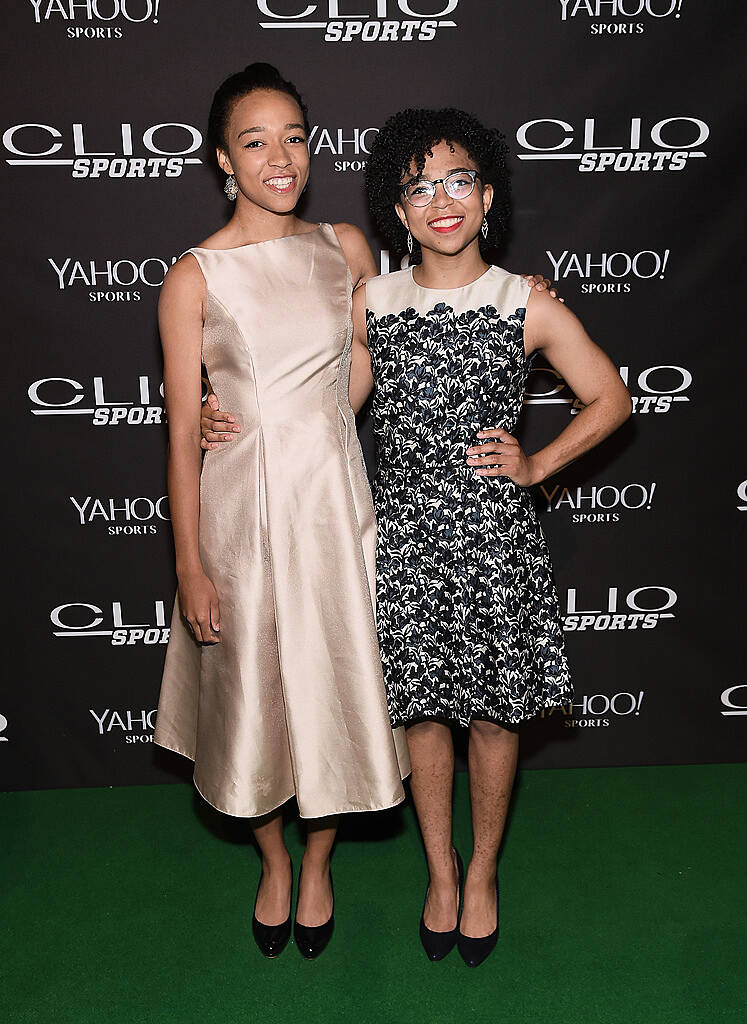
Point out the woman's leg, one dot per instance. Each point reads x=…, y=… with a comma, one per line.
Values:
x=315, y=888
x=492, y=767
x=274, y=894
x=431, y=785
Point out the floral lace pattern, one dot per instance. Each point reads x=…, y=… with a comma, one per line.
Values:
x=468, y=617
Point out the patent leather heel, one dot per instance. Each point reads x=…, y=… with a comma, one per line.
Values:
x=312, y=941
x=476, y=951
x=271, y=938
x=437, y=945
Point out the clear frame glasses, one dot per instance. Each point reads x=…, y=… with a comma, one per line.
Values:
x=458, y=185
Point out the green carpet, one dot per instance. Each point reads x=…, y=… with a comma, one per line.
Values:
x=623, y=901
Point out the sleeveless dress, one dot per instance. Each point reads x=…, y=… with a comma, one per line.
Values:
x=468, y=617
x=292, y=701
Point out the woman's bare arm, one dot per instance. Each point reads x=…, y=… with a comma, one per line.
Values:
x=362, y=265
x=551, y=328
x=180, y=318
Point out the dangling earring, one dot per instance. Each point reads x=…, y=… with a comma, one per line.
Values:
x=409, y=243
x=484, y=228
x=231, y=188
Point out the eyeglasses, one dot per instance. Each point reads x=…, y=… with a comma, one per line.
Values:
x=458, y=185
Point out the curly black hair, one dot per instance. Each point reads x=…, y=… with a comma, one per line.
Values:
x=410, y=136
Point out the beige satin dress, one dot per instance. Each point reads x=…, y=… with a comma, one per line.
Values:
x=291, y=702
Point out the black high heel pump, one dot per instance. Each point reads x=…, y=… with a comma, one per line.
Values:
x=312, y=941
x=271, y=938
x=475, y=951
x=438, y=944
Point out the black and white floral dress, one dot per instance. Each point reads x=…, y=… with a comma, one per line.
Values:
x=468, y=617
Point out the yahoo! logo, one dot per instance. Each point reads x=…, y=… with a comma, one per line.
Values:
x=135, y=726
x=353, y=144
x=108, y=281
x=93, y=19
x=615, y=17
x=605, y=503
x=605, y=273
x=597, y=710
x=123, y=517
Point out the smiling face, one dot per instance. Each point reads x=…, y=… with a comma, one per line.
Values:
x=446, y=225
x=267, y=151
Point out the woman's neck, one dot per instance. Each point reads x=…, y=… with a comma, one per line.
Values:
x=442, y=270
x=250, y=223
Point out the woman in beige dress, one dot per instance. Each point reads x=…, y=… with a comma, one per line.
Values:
x=272, y=683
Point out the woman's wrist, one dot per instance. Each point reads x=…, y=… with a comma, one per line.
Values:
x=189, y=568
x=537, y=471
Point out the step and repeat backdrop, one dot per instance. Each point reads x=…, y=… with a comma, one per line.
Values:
x=624, y=133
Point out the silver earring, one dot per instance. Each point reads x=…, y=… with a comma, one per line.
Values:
x=484, y=227
x=409, y=242
x=231, y=188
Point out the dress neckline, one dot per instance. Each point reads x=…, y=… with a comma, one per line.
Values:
x=251, y=245
x=425, y=288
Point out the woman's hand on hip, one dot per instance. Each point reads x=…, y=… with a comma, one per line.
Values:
x=198, y=600
x=216, y=426
x=501, y=455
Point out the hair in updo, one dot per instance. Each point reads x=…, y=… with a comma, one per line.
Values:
x=254, y=76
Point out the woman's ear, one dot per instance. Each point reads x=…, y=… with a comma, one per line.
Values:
x=224, y=161
x=402, y=215
x=487, y=198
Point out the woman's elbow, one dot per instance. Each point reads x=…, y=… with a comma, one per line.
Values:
x=625, y=406
x=620, y=407
x=615, y=406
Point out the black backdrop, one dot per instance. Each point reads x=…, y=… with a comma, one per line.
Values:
x=624, y=132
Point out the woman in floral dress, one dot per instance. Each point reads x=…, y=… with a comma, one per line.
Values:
x=468, y=619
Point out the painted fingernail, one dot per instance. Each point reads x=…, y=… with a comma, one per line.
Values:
x=227, y=437
x=236, y=429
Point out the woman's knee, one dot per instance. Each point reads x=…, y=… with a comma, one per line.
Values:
x=481, y=729
x=428, y=727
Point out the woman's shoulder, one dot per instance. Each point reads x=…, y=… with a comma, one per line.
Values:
x=185, y=274
x=348, y=234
